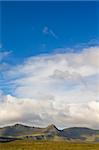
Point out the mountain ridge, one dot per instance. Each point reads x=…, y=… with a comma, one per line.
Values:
x=51, y=132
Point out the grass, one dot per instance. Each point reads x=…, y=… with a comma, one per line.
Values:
x=48, y=145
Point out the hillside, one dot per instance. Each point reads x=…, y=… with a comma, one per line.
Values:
x=19, y=131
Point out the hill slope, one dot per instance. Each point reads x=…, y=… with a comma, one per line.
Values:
x=51, y=132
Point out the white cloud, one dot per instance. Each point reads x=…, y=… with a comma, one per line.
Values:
x=54, y=88
x=43, y=112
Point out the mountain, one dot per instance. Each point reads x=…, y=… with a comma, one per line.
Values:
x=80, y=133
x=51, y=129
x=19, y=131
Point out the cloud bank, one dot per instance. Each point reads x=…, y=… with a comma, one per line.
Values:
x=57, y=88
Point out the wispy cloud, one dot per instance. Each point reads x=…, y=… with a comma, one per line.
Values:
x=4, y=54
x=45, y=30
x=48, y=31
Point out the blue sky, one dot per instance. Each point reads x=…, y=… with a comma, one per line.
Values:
x=62, y=85
x=23, y=23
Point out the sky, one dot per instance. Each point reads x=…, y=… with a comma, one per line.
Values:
x=66, y=24
x=49, y=63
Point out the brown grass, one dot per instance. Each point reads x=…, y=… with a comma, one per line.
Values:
x=48, y=145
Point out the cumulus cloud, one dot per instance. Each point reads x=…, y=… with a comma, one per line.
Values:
x=57, y=88
x=42, y=113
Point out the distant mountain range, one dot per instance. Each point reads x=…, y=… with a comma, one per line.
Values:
x=19, y=131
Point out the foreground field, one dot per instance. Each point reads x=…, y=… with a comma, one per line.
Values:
x=47, y=145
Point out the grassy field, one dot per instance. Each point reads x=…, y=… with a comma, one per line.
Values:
x=47, y=145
